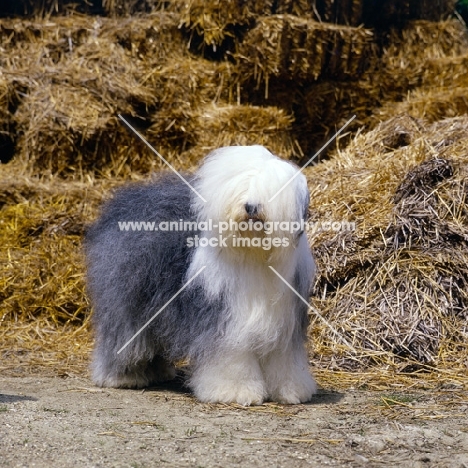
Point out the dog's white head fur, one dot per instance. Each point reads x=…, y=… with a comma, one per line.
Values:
x=248, y=183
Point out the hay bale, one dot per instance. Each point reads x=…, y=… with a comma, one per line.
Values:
x=303, y=50
x=153, y=38
x=330, y=104
x=182, y=87
x=48, y=7
x=68, y=132
x=431, y=79
x=189, y=82
x=405, y=59
x=445, y=72
x=214, y=21
x=230, y=125
x=101, y=70
x=422, y=40
x=347, y=12
x=109, y=72
x=43, y=305
x=431, y=105
x=57, y=120
x=91, y=54
x=157, y=34
x=65, y=47
x=62, y=32
x=395, y=288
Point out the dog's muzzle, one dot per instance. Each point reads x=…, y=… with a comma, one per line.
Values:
x=253, y=211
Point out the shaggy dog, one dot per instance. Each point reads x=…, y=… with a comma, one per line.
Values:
x=241, y=327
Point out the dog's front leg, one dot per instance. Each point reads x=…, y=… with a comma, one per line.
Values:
x=287, y=375
x=229, y=377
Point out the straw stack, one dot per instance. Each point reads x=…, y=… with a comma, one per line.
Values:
x=394, y=290
x=295, y=48
x=405, y=60
x=68, y=83
x=424, y=71
x=215, y=21
x=227, y=125
x=43, y=304
x=346, y=12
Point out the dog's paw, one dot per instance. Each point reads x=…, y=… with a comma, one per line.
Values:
x=296, y=391
x=122, y=381
x=245, y=394
x=141, y=375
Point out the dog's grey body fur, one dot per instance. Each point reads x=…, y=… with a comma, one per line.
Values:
x=132, y=274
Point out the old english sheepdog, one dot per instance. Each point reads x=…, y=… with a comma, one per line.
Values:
x=208, y=275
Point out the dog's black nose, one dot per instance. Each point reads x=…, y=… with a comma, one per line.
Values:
x=252, y=210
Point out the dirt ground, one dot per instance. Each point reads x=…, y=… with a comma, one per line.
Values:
x=67, y=422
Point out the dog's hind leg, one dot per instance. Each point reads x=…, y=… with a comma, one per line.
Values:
x=160, y=370
x=121, y=371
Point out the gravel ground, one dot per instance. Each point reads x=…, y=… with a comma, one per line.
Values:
x=67, y=422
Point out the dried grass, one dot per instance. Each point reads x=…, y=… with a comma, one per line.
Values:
x=226, y=125
x=301, y=49
x=411, y=54
x=70, y=81
x=394, y=289
x=433, y=105
x=44, y=312
x=214, y=21
x=347, y=12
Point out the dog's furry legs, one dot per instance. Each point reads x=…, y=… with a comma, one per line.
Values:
x=112, y=371
x=287, y=375
x=230, y=378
